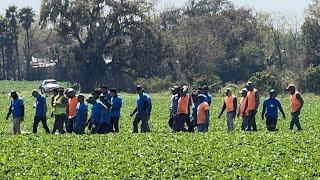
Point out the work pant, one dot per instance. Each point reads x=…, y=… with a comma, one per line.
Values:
x=271, y=123
x=114, y=124
x=94, y=128
x=244, y=125
x=36, y=122
x=175, y=123
x=182, y=119
x=70, y=124
x=144, y=123
x=230, y=121
x=58, y=123
x=252, y=126
x=202, y=128
x=79, y=127
x=16, y=124
x=295, y=121
x=104, y=128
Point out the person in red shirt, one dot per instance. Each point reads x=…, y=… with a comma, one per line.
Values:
x=71, y=109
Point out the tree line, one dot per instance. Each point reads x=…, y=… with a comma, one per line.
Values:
x=125, y=42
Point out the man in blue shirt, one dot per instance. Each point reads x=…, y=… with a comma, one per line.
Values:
x=41, y=112
x=82, y=114
x=270, y=110
x=206, y=93
x=116, y=105
x=143, y=110
x=16, y=109
x=97, y=113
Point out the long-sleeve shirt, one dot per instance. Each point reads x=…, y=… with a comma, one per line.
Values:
x=116, y=105
x=144, y=104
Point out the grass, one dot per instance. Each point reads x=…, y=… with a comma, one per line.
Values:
x=162, y=154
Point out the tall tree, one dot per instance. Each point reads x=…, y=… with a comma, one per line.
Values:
x=2, y=46
x=95, y=25
x=12, y=35
x=26, y=17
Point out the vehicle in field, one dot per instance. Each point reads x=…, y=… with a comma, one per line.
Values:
x=48, y=85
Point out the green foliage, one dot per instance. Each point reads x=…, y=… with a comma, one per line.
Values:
x=265, y=81
x=213, y=82
x=312, y=81
x=156, y=84
x=161, y=154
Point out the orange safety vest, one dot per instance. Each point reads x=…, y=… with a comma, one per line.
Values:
x=252, y=99
x=73, y=107
x=295, y=103
x=183, y=104
x=243, y=102
x=229, y=103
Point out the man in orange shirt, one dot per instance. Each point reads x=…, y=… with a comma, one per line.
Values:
x=253, y=105
x=230, y=104
x=71, y=109
x=202, y=113
x=183, y=111
x=243, y=112
x=296, y=106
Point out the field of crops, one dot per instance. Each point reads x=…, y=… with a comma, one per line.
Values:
x=161, y=154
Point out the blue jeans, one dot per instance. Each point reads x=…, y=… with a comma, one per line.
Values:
x=202, y=128
x=230, y=121
x=295, y=121
x=245, y=120
x=182, y=119
x=79, y=127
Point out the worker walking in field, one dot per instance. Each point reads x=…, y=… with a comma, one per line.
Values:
x=105, y=92
x=229, y=104
x=105, y=122
x=16, y=109
x=184, y=104
x=173, y=121
x=116, y=105
x=142, y=111
x=41, y=112
x=243, y=109
x=296, y=103
x=97, y=112
x=194, y=111
x=71, y=109
x=202, y=113
x=253, y=99
x=205, y=90
x=59, y=111
x=82, y=115
x=270, y=110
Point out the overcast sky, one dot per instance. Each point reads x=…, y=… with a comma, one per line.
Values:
x=289, y=8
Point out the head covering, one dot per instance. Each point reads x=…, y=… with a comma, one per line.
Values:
x=228, y=90
x=139, y=87
x=243, y=90
x=272, y=91
x=70, y=90
x=205, y=88
x=291, y=86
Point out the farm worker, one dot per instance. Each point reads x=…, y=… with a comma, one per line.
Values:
x=41, y=112
x=202, y=113
x=194, y=110
x=97, y=93
x=270, y=110
x=183, y=111
x=59, y=111
x=205, y=89
x=105, y=122
x=229, y=104
x=97, y=112
x=296, y=103
x=106, y=92
x=142, y=111
x=253, y=99
x=173, y=121
x=16, y=109
x=243, y=109
x=71, y=109
x=116, y=105
x=82, y=115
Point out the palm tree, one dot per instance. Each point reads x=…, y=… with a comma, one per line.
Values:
x=12, y=34
x=26, y=16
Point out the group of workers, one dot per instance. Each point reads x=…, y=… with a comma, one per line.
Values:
x=187, y=112
x=190, y=111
